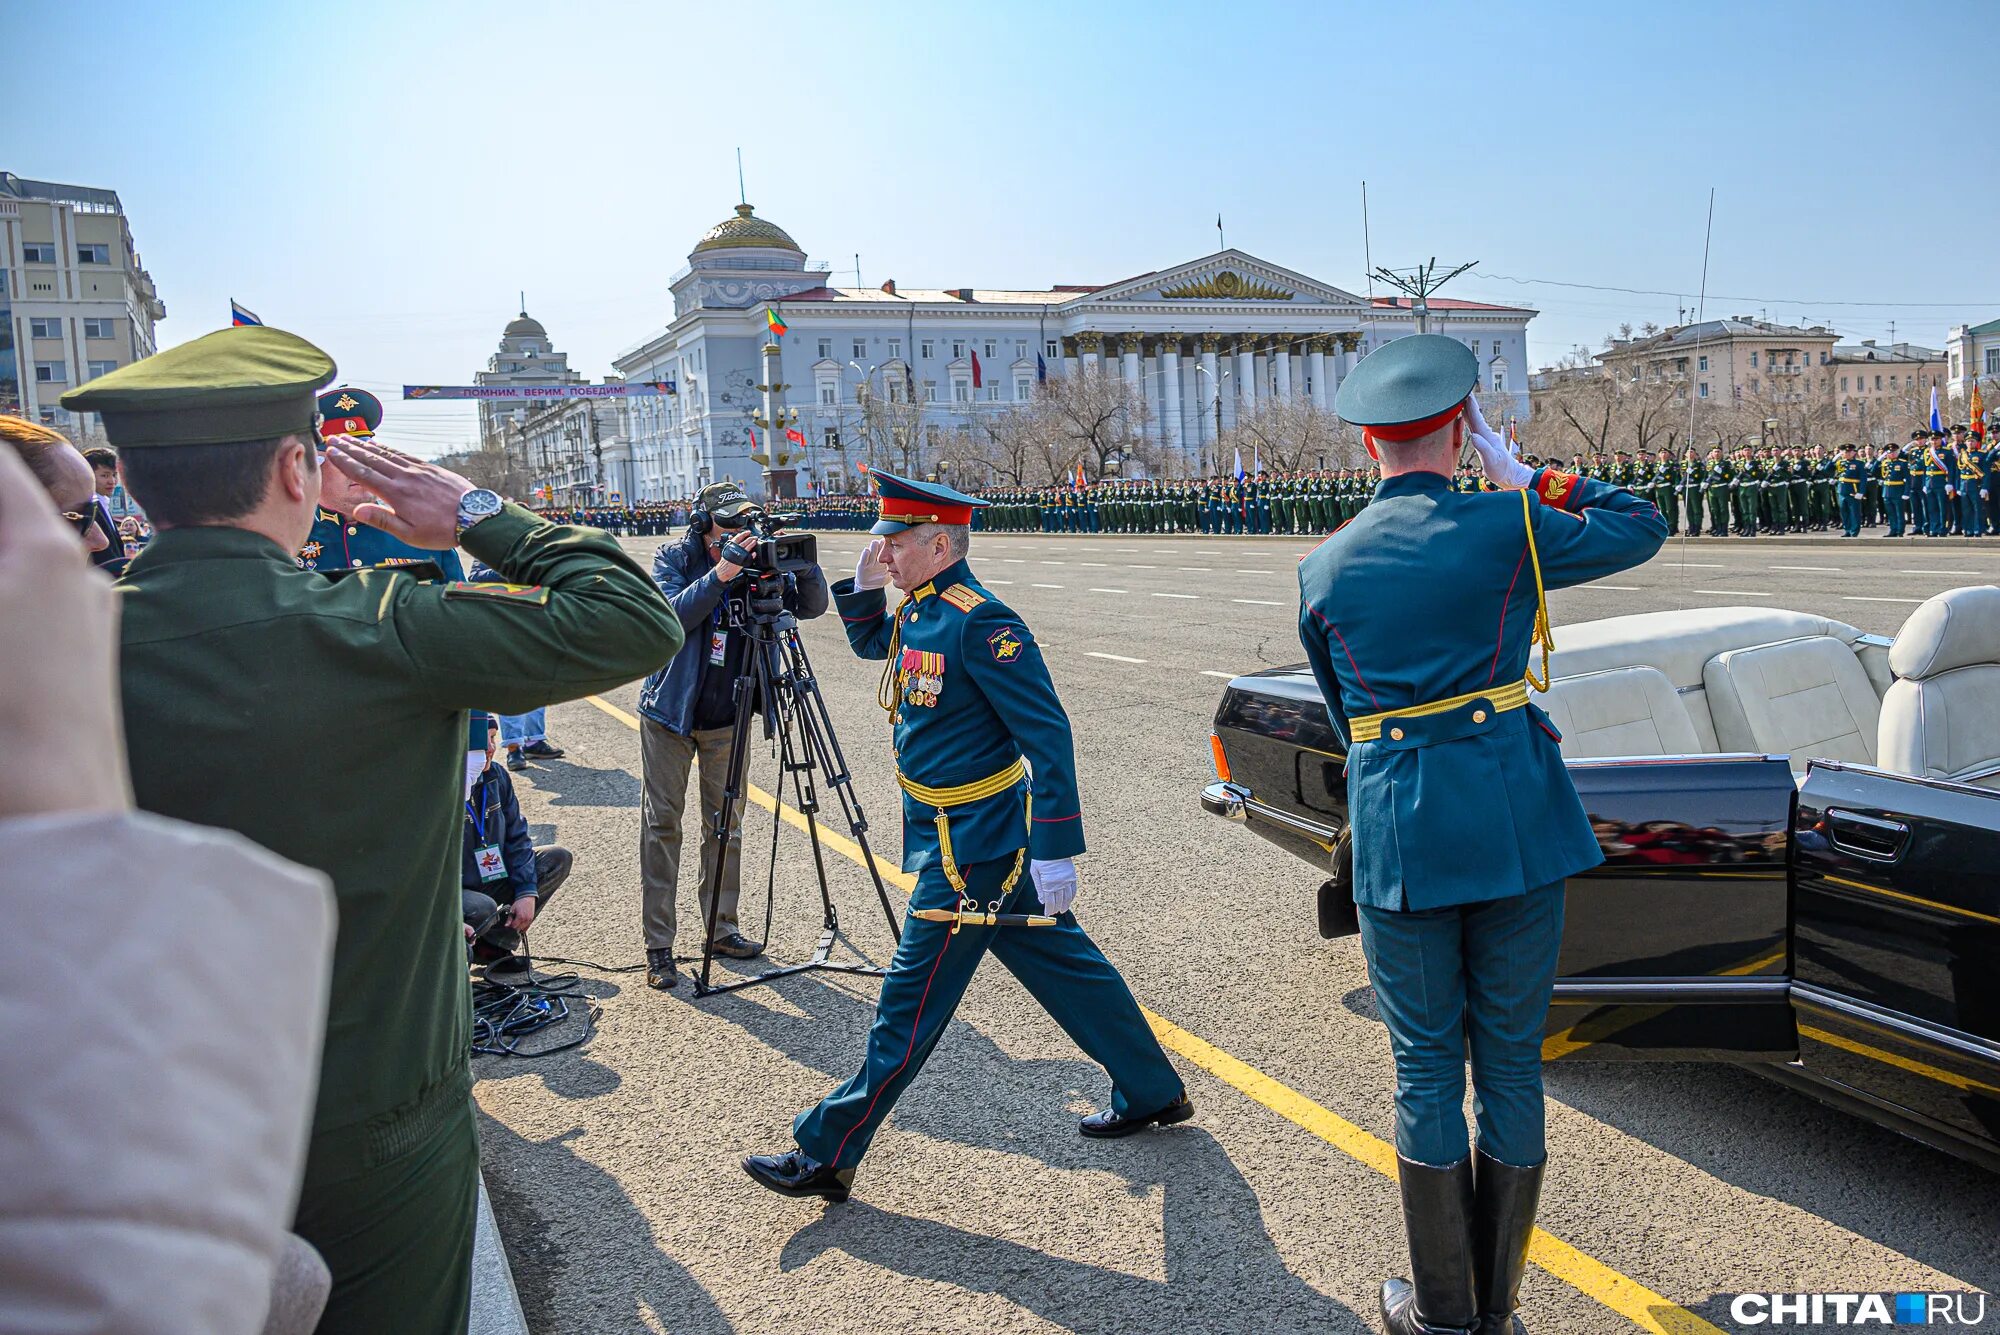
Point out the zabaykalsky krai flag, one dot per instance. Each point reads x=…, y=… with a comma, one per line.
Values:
x=775, y=321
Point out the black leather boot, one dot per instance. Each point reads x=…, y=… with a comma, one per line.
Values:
x=1503, y=1220
x=1437, y=1215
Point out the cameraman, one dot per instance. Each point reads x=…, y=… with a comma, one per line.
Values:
x=687, y=709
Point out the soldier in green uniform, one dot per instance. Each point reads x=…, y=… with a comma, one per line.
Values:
x=1747, y=493
x=224, y=637
x=1667, y=490
x=1692, y=492
x=1719, y=482
x=1778, y=490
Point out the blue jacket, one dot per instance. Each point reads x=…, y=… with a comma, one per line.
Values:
x=1429, y=594
x=686, y=575
x=972, y=697
x=493, y=816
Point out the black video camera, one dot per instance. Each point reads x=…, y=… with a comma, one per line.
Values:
x=772, y=554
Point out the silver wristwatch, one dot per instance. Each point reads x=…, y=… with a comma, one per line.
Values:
x=477, y=505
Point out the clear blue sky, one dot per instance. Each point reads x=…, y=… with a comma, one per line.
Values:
x=384, y=177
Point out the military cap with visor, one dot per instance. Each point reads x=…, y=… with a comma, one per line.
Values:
x=247, y=383
x=347, y=411
x=906, y=503
x=1408, y=387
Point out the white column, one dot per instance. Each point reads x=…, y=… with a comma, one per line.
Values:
x=1316, y=371
x=1281, y=367
x=1170, y=391
x=1207, y=388
x=1350, y=354
x=1086, y=350
x=1129, y=347
x=1247, y=385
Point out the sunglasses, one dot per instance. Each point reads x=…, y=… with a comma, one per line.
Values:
x=83, y=523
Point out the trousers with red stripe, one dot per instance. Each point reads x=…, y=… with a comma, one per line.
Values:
x=1061, y=968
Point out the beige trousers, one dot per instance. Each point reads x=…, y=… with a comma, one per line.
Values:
x=664, y=760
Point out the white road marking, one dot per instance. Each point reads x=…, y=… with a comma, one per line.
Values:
x=1857, y=598
x=1697, y=565
x=1622, y=588
x=1735, y=593
x=1200, y=569
x=1013, y=560
x=1116, y=658
x=1055, y=563
x=1174, y=595
x=1108, y=590
x=1939, y=572
x=1827, y=570
x=1259, y=602
x=1226, y=676
x=1045, y=586
x=1256, y=572
x=996, y=581
x=1094, y=563
x=1140, y=567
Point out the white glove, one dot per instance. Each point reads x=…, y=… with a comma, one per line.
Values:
x=871, y=571
x=1503, y=468
x=1055, y=883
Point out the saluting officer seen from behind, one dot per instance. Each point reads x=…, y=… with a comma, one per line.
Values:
x=223, y=635
x=339, y=539
x=1465, y=823
x=992, y=825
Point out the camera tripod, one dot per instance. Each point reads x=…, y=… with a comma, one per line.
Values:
x=778, y=674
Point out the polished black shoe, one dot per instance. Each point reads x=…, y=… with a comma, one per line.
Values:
x=1438, y=1297
x=660, y=971
x=794, y=1174
x=737, y=946
x=543, y=750
x=1503, y=1223
x=1108, y=1125
x=516, y=761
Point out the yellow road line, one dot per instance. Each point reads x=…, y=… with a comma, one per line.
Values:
x=1932, y=904
x=1910, y=1064
x=1627, y=1297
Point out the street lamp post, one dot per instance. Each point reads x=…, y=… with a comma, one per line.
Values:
x=1216, y=390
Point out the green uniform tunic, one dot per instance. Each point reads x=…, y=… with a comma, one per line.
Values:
x=326, y=721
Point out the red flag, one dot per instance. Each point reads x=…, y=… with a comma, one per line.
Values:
x=753, y=436
x=796, y=436
x=976, y=380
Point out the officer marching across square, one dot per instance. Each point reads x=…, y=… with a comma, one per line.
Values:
x=992, y=825
x=1419, y=618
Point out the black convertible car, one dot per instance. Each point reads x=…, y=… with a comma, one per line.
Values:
x=1801, y=830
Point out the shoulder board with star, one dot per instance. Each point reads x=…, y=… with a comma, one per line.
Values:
x=962, y=597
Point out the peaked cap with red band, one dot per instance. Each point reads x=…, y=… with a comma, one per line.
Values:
x=1408, y=387
x=347, y=411
x=906, y=504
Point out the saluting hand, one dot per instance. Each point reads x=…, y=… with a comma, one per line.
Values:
x=871, y=571
x=418, y=500
x=1502, y=466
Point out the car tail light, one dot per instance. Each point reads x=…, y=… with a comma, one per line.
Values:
x=1221, y=760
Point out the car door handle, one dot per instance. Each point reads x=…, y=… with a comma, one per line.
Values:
x=1868, y=837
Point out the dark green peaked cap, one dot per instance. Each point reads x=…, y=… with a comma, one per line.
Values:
x=1407, y=380
x=247, y=383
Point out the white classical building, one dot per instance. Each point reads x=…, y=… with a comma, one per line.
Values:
x=1206, y=342
x=525, y=357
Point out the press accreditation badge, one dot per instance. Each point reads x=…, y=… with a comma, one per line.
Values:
x=718, y=647
x=492, y=867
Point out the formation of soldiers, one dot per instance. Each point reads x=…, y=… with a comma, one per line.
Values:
x=1939, y=484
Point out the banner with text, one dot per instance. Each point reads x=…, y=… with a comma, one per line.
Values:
x=638, y=389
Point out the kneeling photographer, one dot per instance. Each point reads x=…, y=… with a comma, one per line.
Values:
x=505, y=880
x=687, y=708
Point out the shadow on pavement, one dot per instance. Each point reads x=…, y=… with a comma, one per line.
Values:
x=1772, y=1141
x=1222, y=1270
x=568, y=784
x=531, y=1180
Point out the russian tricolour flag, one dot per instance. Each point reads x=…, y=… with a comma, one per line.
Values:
x=239, y=314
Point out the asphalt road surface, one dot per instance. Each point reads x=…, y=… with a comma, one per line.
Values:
x=614, y=1166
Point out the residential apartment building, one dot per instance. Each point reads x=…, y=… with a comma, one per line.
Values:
x=75, y=302
x=1730, y=361
x=1882, y=390
x=1974, y=357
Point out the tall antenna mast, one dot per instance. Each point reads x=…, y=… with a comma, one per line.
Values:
x=742, y=195
x=1418, y=284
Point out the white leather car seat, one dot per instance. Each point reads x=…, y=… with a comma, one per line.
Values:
x=1629, y=711
x=1806, y=698
x=1941, y=717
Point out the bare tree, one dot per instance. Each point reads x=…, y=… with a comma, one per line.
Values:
x=1093, y=418
x=495, y=469
x=1292, y=434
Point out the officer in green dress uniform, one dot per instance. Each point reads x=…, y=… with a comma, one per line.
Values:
x=992, y=824
x=338, y=540
x=1465, y=822
x=224, y=636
